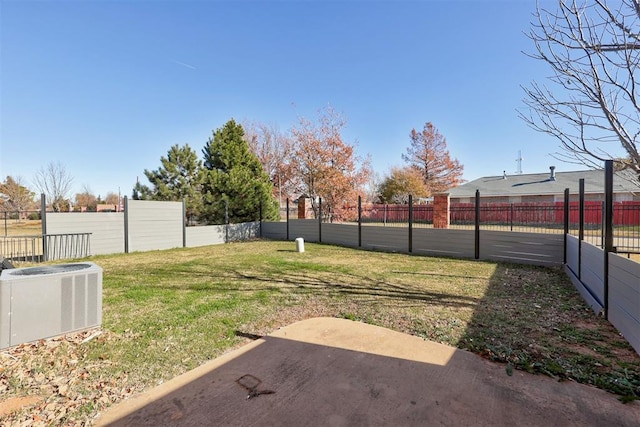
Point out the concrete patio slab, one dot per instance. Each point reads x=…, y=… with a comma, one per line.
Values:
x=337, y=372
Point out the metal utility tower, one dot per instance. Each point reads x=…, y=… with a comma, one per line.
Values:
x=519, y=162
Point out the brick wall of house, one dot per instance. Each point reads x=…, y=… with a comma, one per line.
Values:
x=302, y=208
x=441, y=210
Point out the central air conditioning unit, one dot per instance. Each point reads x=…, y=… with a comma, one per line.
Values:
x=42, y=302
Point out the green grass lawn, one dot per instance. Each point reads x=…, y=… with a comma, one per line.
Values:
x=166, y=312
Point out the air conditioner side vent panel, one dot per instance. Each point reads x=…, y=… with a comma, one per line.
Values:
x=41, y=302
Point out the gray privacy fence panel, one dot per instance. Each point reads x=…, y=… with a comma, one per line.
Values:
x=441, y=242
x=596, y=306
x=217, y=234
x=243, y=231
x=340, y=234
x=205, y=235
x=592, y=271
x=572, y=253
x=154, y=225
x=305, y=228
x=394, y=239
x=590, y=284
x=526, y=248
x=106, y=228
x=274, y=230
x=624, y=297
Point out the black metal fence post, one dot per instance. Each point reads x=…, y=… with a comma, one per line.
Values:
x=580, y=225
x=608, y=229
x=410, y=223
x=320, y=220
x=43, y=217
x=566, y=223
x=477, y=233
x=287, y=218
x=359, y=221
x=511, y=213
x=602, y=224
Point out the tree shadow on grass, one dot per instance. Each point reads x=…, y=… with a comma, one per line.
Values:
x=364, y=288
x=320, y=283
x=423, y=273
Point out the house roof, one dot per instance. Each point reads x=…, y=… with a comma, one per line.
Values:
x=537, y=184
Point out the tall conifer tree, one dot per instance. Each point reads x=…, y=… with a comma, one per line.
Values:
x=234, y=175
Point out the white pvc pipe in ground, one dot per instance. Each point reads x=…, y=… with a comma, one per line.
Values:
x=300, y=244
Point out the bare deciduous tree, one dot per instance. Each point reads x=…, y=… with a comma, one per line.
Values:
x=54, y=182
x=591, y=107
x=274, y=149
x=326, y=166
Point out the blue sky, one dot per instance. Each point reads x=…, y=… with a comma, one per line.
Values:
x=108, y=87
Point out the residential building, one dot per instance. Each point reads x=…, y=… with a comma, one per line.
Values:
x=547, y=187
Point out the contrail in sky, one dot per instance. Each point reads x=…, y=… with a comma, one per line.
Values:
x=185, y=65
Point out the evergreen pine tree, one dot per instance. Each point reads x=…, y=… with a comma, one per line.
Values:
x=235, y=176
x=176, y=179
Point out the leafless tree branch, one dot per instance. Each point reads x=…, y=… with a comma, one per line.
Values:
x=590, y=106
x=55, y=183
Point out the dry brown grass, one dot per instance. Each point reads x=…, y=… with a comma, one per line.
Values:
x=23, y=227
